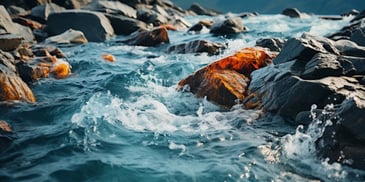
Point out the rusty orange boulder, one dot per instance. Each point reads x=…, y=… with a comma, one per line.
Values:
x=225, y=81
x=12, y=87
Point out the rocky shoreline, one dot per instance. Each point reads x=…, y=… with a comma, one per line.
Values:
x=284, y=77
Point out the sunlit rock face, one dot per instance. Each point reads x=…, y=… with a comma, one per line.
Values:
x=225, y=81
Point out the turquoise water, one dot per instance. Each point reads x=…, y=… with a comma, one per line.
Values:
x=125, y=121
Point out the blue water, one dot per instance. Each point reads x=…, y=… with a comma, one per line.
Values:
x=125, y=121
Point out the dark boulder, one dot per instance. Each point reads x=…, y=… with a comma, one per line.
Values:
x=150, y=16
x=292, y=13
x=349, y=48
x=41, y=12
x=9, y=42
x=152, y=37
x=196, y=28
x=248, y=14
x=95, y=26
x=359, y=16
x=229, y=26
x=12, y=87
x=196, y=46
x=71, y=4
x=353, y=12
x=358, y=36
x=304, y=48
x=199, y=10
x=274, y=44
x=125, y=26
x=112, y=7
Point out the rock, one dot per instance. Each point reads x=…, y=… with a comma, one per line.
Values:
x=196, y=46
x=199, y=10
x=349, y=48
x=196, y=28
x=346, y=31
x=335, y=18
x=322, y=65
x=9, y=42
x=16, y=11
x=71, y=4
x=132, y=3
x=228, y=26
x=41, y=12
x=12, y=87
x=112, y=7
x=125, y=26
x=353, y=12
x=69, y=37
x=43, y=67
x=28, y=23
x=9, y=26
x=359, y=16
x=274, y=44
x=304, y=48
x=151, y=17
x=248, y=14
x=343, y=140
x=98, y=31
x=292, y=13
x=358, y=36
x=5, y=135
x=225, y=81
x=148, y=37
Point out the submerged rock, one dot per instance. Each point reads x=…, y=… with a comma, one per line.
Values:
x=69, y=37
x=196, y=46
x=225, y=81
x=228, y=26
x=152, y=37
x=99, y=30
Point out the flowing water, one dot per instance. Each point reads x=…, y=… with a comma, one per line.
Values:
x=125, y=121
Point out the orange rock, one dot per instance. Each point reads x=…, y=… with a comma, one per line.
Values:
x=13, y=87
x=225, y=81
x=108, y=57
x=169, y=27
x=61, y=70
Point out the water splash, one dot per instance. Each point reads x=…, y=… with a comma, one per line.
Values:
x=301, y=146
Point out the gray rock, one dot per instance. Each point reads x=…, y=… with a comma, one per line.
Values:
x=72, y=4
x=349, y=48
x=229, y=26
x=199, y=10
x=9, y=42
x=274, y=44
x=358, y=36
x=150, y=16
x=15, y=10
x=125, y=26
x=95, y=26
x=9, y=26
x=69, y=37
x=292, y=12
x=152, y=37
x=196, y=46
x=322, y=65
x=303, y=48
x=359, y=16
x=112, y=7
x=41, y=12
